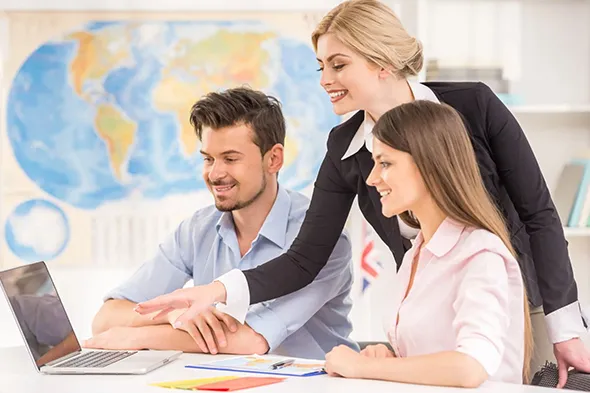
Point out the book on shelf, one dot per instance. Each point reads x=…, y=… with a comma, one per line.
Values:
x=492, y=76
x=572, y=194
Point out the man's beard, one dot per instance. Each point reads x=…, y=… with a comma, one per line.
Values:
x=240, y=204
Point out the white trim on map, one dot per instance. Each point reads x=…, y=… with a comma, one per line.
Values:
x=168, y=5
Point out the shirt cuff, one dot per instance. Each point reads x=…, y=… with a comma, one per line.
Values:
x=266, y=323
x=482, y=351
x=565, y=323
x=237, y=298
x=117, y=295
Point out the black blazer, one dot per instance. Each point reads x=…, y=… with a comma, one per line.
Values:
x=510, y=173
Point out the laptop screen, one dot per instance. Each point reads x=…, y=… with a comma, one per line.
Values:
x=39, y=312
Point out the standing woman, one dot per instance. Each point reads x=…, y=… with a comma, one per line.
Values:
x=366, y=57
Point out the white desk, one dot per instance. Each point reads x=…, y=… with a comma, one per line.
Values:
x=17, y=374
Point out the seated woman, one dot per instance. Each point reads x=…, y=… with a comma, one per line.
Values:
x=459, y=313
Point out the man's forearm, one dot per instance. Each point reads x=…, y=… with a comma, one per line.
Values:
x=117, y=312
x=244, y=341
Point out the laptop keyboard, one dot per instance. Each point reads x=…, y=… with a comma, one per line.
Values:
x=96, y=359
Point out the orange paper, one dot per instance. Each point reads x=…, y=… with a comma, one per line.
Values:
x=239, y=383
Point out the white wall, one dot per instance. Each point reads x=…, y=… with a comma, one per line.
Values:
x=169, y=5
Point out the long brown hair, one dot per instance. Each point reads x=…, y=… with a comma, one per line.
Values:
x=436, y=138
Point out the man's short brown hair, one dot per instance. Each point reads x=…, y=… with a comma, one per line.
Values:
x=242, y=105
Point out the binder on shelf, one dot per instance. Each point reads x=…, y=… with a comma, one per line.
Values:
x=572, y=194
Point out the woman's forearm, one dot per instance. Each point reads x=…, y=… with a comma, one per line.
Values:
x=449, y=368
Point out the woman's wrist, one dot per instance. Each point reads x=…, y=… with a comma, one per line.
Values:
x=369, y=367
x=363, y=366
x=219, y=292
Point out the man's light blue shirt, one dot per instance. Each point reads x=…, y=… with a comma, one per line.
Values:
x=306, y=323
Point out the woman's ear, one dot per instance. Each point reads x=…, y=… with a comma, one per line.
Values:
x=385, y=73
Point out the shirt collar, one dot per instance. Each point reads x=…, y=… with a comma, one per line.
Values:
x=274, y=227
x=225, y=222
x=364, y=135
x=444, y=239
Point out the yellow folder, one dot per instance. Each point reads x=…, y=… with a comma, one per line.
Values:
x=190, y=384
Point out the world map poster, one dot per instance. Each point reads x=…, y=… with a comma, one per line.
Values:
x=98, y=159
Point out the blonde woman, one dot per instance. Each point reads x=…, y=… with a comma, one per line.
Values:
x=365, y=58
x=459, y=314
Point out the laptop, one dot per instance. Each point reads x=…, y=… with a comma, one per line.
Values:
x=49, y=336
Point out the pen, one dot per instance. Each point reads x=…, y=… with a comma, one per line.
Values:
x=281, y=364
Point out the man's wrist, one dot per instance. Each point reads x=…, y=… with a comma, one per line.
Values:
x=219, y=291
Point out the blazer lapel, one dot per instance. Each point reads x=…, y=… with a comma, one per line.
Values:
x=366, y=164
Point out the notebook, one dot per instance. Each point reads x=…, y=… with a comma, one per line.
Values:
x=263, y=365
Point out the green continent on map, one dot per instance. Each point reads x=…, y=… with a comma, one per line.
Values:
x=118, y=133
x=224, y=59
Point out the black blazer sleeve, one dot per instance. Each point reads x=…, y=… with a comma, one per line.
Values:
x=520, y=173
x=323, y=224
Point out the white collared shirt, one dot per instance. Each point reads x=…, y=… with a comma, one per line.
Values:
x=364, y=135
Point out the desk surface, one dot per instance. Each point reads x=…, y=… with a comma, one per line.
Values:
x=17, y=374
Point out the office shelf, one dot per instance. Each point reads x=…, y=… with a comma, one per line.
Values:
x=576, y=232
x=551, y=109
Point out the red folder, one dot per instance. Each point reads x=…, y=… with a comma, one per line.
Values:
x=239, y=383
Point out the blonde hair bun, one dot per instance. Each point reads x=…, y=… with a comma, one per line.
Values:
x=372, y=29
